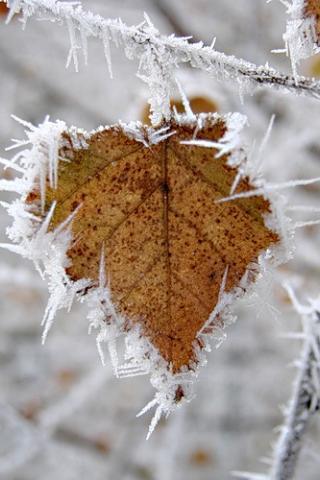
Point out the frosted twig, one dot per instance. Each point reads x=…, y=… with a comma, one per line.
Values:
x=298, y=416
x=31, y=440
x=158, y=54
x=302, y=208
x=309, y=223
x=300, y=37
x=305, y=396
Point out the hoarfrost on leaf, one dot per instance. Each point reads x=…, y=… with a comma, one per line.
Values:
x=38, y=235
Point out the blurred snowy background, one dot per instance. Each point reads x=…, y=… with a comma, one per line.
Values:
x=62, y=415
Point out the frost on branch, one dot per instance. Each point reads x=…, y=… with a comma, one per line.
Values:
x=158, y=55
x=130, y=220
x=302, y=37
x=305, y=399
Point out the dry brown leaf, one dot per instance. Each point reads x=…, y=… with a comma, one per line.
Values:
x=167, y=243
x=312, y=9
x=3, y=9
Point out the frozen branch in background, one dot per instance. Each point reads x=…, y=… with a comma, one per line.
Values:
x=158, y=55
x=50, y=418
x=168, y=450
x=35, y=437
x=305, y=398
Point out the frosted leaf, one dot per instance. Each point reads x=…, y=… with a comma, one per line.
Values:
x=40, y=233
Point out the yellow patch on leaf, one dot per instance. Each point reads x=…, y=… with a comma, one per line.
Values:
x=167, y=243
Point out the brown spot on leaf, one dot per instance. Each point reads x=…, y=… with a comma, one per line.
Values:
x=167, y=242
x=32, y=196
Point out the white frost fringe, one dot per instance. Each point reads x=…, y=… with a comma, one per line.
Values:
x=47, y=249
x=300, y=36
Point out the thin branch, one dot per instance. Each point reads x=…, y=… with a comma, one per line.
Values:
x=51, y=418
x=301, y=36
x=301, y=408
x=305, y=400
x=159, y=55
x=50, y=423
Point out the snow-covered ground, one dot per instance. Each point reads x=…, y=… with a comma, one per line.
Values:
x=62, y=415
